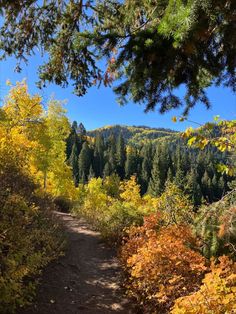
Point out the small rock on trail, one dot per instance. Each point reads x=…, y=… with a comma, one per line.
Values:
x=86, y=280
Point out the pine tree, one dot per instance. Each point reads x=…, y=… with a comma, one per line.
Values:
x=146, y=167
x=170, y=176
x=206, y=186
x=91, y=173
x=221, y=186
x=111, y=153
x=156, y=184
x=131, y=163
x=180, y=178
x=81, y=129
x=193, y=188
x=73, y=162
x=98, y=159
x=72, y=139
x=84, y=163
x=120, y=156
x=107, y=170
x=161, y=45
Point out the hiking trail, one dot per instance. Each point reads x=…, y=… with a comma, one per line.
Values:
x=86, y=280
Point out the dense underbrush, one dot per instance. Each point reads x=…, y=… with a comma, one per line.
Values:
x=176, y=259
x=29, y=238
x=111, y=205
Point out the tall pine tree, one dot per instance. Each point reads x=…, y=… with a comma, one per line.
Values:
x=84, y=163
x=120, y=156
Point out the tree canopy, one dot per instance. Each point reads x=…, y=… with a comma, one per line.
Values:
x=151, y=48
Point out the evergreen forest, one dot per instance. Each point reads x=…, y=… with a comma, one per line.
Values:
x=154, y=162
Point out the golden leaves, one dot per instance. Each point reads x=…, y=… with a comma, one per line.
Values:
x=160, y=265
x=217, y=293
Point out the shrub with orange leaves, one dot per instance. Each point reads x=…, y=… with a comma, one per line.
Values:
x=217, y=294
x=161, y=263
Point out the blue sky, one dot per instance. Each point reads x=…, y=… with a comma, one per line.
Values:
x=99, y=107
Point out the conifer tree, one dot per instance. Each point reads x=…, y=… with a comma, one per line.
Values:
x=160, y=46
x=120, y=156
x=161, y=164
x=170, y=176
x=107, y=170
x=81, y=129
x=111, y=154
x=73, y=162
x=84, y=163
x=72, y=139
x=156, y=184
x=98, y=159
x=221, y=186
x=146, y=167
x=131, y=163
x=206, y=186
x=91, y=173
x=193, y=188
x=180, y=178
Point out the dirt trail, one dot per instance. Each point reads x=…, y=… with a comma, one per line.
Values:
x=85, y=280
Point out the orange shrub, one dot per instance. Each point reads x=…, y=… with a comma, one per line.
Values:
x=217, y=294
x=161, y=264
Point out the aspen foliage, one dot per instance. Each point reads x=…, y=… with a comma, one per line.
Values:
x=32, y=155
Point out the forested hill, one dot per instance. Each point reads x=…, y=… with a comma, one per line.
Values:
x=154, y=162
x=132, y=134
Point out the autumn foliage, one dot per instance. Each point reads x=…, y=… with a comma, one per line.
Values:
x=111, y=205
x=217, y=293
x=162, y=263
x=165, y=242
x=32, y=172
x=166, y=245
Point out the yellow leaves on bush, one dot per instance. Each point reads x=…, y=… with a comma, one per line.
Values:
x=111, y=185
x=96, y=202
x=29, y=238
x=112, y=205
x=217, y=293
x=160, y=263
x=174, y=206
x=130, y=191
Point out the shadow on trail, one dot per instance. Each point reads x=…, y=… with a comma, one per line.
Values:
x=87, y=279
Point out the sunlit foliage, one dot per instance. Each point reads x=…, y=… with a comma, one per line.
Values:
x=32, y=165
x=112, y=205
x=35, y=139
x=217, y=293
x=161, y=263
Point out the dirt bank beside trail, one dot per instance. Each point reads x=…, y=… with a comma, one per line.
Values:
x=86, y=280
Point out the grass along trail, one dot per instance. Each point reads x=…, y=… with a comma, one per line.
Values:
x=87, y=279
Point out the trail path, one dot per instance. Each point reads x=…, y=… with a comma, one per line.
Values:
x=86, y=280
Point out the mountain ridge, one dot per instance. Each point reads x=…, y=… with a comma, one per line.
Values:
x=134, y=135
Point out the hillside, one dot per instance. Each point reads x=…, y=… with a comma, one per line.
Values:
x=134, y=135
